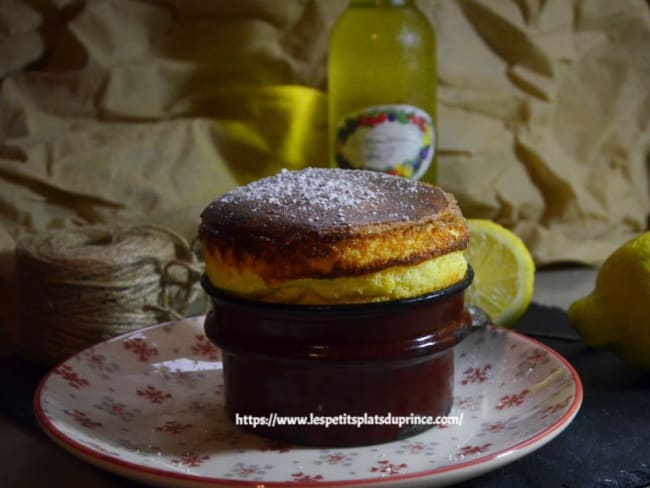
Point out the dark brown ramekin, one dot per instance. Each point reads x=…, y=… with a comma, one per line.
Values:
x=372, y=359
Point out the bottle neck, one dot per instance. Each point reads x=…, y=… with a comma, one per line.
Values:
x=381, y=3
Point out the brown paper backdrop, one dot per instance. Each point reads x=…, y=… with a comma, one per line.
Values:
x=127, y=110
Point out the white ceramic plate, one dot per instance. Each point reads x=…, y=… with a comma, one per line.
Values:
x=148, y=406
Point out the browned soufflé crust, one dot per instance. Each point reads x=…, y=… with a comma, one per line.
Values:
x=328, y=223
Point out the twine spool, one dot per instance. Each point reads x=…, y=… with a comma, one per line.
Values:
x=80, y=286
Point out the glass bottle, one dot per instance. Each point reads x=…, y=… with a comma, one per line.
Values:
x=382, y=89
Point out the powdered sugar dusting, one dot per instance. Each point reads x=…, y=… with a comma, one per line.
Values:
x=319, y=197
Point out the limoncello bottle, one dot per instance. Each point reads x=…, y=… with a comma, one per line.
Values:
x=382, y=89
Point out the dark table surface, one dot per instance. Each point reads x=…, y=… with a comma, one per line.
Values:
x=607, y=445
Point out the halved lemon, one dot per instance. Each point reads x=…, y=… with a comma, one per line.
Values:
x=504, y=272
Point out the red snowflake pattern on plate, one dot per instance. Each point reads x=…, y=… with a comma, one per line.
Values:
x=119, y=409
x=557, y=407
x=186, y=379
x=470, y=403
x=532, y=360
x=301, y=477
x=335, y=458
x=96, y=361
x=191, y=459
x=83, y=419
x=416, y=447
x=202, y=347
x=470, y=450
x=153, y=394
x=536, y=356
x=140, y=348
x=476, y=375
x=173, y=427
x=385, y=467
x=515, y=399
x=71, y=376
x=246, y=470
x=249, y=470
x=495, y=426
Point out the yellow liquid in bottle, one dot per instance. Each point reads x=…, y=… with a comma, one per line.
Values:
x=382, y=65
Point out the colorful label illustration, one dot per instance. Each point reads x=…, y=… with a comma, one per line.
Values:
x=396, y=139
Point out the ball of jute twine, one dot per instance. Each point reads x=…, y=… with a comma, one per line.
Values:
x=80, y=286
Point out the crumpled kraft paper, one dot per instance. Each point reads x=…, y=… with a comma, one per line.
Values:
x=545, y=119
x=125, y=110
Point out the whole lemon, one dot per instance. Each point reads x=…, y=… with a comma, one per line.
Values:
x=616, y=314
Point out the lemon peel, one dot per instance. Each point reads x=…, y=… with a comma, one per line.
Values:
x=504, y=272
x=615, y=314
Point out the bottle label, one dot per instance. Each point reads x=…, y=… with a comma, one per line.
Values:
x=396, y=139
